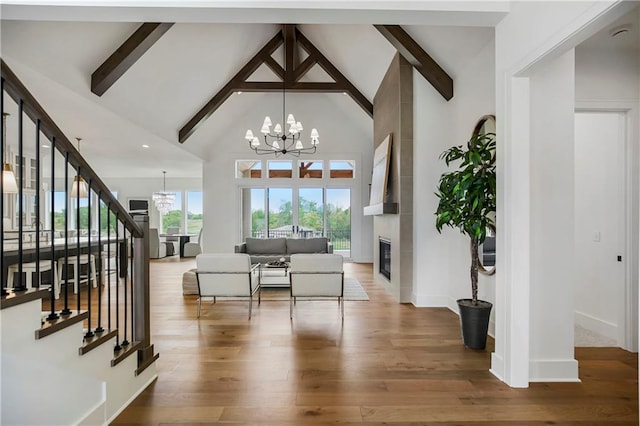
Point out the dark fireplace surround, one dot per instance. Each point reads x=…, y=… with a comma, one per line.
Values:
x=385, y=257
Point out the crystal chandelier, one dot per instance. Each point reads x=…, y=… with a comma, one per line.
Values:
x=164, y=200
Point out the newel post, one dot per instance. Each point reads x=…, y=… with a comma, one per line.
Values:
x=142, y=296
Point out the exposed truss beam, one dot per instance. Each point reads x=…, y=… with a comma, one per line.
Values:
x=126, y=55
x=228, y=89
x=290, y=75
x=330, y=69
x=297, y=86
x=420, y=59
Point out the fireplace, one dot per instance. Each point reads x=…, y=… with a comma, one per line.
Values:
x=385, y=257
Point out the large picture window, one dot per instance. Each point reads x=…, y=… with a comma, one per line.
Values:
x=173, y=218
x=298, y=213
x=194, y=212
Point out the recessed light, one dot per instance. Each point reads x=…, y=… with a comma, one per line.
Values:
x=239, y=93
x=45, y=146
x=145, y=145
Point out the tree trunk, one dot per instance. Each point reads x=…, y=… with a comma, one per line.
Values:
x=474, y=270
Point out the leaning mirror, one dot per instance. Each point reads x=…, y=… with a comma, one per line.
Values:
x=487, y=250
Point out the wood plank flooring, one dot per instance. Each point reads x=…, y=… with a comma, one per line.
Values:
x=386, y=364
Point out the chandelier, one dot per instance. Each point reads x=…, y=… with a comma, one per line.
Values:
x=276, y=140
x=164, y=200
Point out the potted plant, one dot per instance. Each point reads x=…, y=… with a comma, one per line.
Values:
x=468, y=202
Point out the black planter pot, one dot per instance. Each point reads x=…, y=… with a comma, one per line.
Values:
x=474, y=322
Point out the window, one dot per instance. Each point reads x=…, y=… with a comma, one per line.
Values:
x=310, y=169
x=280, y=169
x=174, y=216
x=194, y=212
x=59, y=209
x=341, y=169
x=248, y=169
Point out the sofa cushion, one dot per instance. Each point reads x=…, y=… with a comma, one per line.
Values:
x=306, y=245
x=266, y=246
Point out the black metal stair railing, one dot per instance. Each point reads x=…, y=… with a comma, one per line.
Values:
x=77, y=230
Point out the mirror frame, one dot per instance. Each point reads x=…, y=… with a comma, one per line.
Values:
x=479, y=127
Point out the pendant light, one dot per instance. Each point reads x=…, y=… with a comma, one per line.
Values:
x=79, y=186
x=9, y=185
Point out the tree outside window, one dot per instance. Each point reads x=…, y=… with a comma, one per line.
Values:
x=194, y=212
x=173, y=218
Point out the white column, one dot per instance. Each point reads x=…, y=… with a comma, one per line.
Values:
x=552, y=216
x=510, y=360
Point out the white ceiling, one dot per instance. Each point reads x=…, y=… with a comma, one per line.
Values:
x=628, y=40
x=192, y=61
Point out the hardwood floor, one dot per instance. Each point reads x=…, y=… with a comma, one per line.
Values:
x=386, y=364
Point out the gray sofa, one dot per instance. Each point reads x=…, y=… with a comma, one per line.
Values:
x=272, y=249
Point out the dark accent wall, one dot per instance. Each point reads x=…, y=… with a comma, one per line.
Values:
x=393, y=114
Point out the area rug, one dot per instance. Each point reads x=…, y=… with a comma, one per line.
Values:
x=353, y=291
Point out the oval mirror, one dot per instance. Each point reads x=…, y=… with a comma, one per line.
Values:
x=487, y=250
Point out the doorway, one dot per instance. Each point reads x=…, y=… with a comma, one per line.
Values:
x=604, y=310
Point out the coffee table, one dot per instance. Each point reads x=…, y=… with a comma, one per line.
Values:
x=270, y=276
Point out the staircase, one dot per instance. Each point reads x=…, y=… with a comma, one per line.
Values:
x=68, y=355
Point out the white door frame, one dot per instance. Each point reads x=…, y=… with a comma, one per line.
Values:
x=628, y=317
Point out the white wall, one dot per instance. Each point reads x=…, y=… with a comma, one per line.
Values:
x=609, y=80
x=442, y=260
x=552, y=217
x=529, y=35
x=600, y=222
x=345, y=133
x=145, y=187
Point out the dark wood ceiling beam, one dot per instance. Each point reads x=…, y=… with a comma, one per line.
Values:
x=304, y=68
x=228, y=89
x=275, y=67
x=326, y=65
x=303, y=87
x=126, y=55
x=420, y=59
x=289, y=33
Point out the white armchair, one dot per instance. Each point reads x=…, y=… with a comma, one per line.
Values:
x=227, y=275
x=316, y=275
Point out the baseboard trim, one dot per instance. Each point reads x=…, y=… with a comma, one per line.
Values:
x=596, y=325
x=553, y=370
x=497, y=366
x=134, y=396
x=98, y=413
x=429, y=301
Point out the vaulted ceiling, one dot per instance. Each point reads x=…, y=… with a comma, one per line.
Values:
x=179, y=73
